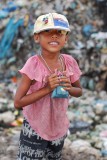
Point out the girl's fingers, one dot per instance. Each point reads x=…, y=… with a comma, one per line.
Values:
x=53, y=75
x=67, y=88
x=64, y=79
x=66, y=84
x=53, y=81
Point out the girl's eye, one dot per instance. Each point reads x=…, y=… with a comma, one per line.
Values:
x=47, y=30
x=59, y=31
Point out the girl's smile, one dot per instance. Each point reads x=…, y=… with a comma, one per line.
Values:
x=54, y=43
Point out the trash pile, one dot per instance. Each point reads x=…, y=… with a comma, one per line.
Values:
x=87, y=40
x=87, y=135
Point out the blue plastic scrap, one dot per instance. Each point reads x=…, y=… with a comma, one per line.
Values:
x=79, y=126
x=104, y=153
x=101, y=101
x=73, y=5
x=10, y=7
x=87, y=30
x=9, y=33
x=3, y=14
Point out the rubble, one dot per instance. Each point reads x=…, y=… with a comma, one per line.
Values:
x=87, y=135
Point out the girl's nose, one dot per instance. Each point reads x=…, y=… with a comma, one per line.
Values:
x=54, y=35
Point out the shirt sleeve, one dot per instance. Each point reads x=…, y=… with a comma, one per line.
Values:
x=32, y=69
x=76, y=71
x=72, y=68
x=28, y=69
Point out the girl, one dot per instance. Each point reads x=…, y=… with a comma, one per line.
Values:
x=45, y=121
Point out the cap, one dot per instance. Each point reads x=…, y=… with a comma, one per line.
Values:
x=51, y=21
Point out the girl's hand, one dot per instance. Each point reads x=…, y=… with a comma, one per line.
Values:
x=74, y=89
x=65, y=81
x=53, y=81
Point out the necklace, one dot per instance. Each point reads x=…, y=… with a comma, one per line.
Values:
x=48, y=65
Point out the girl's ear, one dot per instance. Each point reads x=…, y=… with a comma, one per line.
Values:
x=36, y=38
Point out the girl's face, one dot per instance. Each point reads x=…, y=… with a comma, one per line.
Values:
x=52, y=40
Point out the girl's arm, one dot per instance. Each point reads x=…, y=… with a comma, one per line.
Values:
x=76, y=89
x=23, y=99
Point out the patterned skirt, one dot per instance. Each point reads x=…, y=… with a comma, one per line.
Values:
x=33, y=147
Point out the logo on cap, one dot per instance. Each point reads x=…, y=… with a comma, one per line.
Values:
x=45, y=20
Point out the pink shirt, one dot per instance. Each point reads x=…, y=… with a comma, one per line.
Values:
x=47, y=116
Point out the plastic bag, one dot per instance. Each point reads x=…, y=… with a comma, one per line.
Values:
x=60, y=92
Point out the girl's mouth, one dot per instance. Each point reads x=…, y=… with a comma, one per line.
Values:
x=54, y=43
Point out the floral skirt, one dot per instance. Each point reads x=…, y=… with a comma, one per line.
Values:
x=33, y=147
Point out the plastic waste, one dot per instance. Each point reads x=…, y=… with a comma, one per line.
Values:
x=9, y=33
x=100, y=35
x=104, y=153
x=10, y=7
x=84, y=81
x=3, y=14
x=79, y=45
x=21, y=3
x=78, y=126
x=17, y=122
x=91, y=84
x=87, y=30
x=73, y=5
x=101, y=101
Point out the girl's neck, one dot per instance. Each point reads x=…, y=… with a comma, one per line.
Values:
x=51, y=56
x=51, y=63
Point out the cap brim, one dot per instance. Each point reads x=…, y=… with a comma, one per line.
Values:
x=58, y=28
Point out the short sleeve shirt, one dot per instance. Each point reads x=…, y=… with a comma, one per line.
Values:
x=47, y=116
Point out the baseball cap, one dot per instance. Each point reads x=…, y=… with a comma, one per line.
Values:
x=51, y=21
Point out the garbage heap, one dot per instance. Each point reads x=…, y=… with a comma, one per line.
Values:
x=87, y=40
x=87, y=134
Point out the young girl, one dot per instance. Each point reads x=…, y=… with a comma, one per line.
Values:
x=45, y=121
